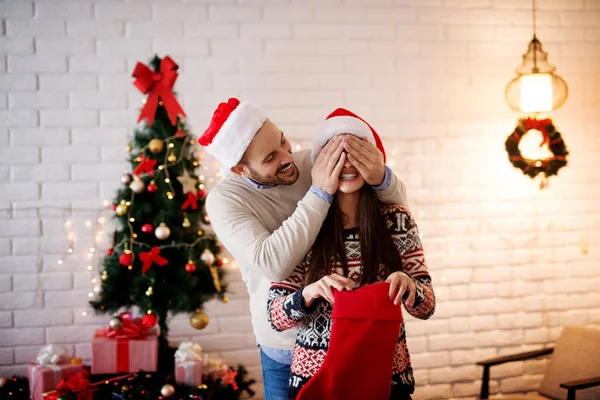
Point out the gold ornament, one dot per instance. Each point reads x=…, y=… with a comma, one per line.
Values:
x=121, y=208
x=186, y=223
x=115, y=323
x=129, y=148
x=225, y=299
x=167, y=390
x=156, y=146
x=149, y=292
x=214, y=271
x=162, y=232
x=198, y=320
x=172, y=158
x=104, y=275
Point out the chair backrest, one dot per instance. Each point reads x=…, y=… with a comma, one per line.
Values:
x=576, y=356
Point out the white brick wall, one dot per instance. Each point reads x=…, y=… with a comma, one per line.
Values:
x=507, y=260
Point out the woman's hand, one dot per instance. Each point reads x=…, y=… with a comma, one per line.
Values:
x=322, y=288
x=402, y=283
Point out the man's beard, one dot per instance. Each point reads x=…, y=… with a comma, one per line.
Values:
x=275, y=180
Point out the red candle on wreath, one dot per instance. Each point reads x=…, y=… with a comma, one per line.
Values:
x=152, y=187
x=190, y=267
x=201, y=193
x=147, y=228
x=114, y=207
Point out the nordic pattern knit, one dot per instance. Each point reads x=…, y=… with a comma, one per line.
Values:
x=286, y=307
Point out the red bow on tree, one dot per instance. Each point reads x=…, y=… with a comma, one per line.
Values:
x=158, y=85
x=146, y=165
x=150, y=257
x=191, y=201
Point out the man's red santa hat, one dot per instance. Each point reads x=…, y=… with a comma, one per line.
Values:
x=344, y=121
x=232, y=128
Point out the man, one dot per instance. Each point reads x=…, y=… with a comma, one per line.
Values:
x=268, y=210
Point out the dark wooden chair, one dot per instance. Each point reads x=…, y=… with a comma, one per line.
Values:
x=573, y=371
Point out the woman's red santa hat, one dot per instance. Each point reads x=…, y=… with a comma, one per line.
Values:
x=232, y=128
x=342, y=121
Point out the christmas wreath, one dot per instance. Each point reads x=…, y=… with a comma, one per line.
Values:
x=551, y=136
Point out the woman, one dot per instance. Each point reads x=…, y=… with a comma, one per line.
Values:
x=361, y=242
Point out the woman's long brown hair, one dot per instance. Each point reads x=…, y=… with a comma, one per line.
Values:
x=376, y=244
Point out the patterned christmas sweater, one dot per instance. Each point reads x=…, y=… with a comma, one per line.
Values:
x=286, y=307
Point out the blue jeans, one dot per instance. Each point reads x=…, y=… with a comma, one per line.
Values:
x=276, y=376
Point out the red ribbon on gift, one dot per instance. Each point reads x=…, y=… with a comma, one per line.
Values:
x=132, y=329
x=146, y=165
x=73, y=383
x=191, y=201
x=152, y=256
x=158, y=85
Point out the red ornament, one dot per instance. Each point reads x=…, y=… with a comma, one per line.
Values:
x=190, y=267
x=149, y=320
x=114, y=207
x=110, y=251
x=179, y=133
x=219, y=262
x=126, y=259
x=201, y=193
x=152, y=187
x=147, y=228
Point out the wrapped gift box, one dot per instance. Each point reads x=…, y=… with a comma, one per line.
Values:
x=188, y=364
x=45, y=378
x=116, y=354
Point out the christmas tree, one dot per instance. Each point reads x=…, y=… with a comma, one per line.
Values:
x=161, y=260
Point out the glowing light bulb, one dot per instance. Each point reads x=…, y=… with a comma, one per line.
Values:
x=106, y=203
x=89, y=268
x=92, y=250
x=201, y=177
x=536, y=93
x=94, y=280
x=68, y=223
x=84, y=313
x=131, y=219
x=88, y=224
x=298, y=147
x=171, y=145
x=167, y=180
x=70, y=250
x=59, y=262
x=101, y=220
x=90, y=294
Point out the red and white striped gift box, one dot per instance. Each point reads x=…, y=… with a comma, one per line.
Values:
x=188, y=372
x=115, y=355
x=44, y=378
